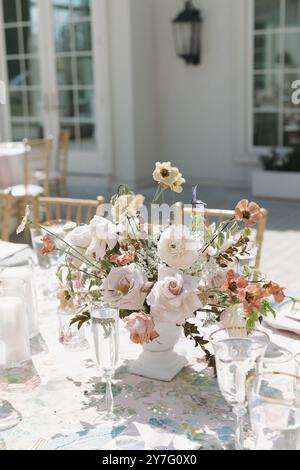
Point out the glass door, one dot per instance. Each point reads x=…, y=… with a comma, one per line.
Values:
x=74, y=71
x=57, y=73
x=21, y=48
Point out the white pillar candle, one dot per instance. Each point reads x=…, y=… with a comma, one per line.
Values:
x=14, y=338
x=25, y=275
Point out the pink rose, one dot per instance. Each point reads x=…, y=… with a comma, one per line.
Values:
x=175, y=297
x=127, y=286
x=141, y=327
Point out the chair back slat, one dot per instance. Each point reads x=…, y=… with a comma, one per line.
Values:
x=68, y=212
x=88, y=215
x=6, y=204
x=58, y=211
x=62, y=156
x=79, y=215
x=76, y=210
x=222, y=215
x=37, y=158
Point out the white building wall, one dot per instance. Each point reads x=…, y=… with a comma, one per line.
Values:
x=146, y=106
x=202, y=110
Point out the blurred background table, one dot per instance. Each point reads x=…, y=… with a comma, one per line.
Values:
x=11, y=163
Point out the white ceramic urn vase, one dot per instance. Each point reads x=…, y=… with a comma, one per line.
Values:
x=158, y=359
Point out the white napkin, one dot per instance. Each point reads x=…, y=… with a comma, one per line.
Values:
x=8, y=249
x=285, y=320
x=145, y=437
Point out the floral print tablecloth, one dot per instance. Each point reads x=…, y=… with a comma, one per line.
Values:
x=67, y=408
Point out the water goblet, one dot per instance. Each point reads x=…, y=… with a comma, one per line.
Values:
x=238, y=353
x=273, y=399
x=278, y=359
x=104, y=329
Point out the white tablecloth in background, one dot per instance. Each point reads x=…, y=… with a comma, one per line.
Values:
x=11, y=164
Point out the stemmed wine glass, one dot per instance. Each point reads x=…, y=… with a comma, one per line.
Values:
x=238, y=353
x=273, y=399
x=105, y=331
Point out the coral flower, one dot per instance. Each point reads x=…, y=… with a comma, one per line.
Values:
x=49, y=246
x=251, y=297
x=272, y=288
x=233, y=284
x=141, y=327
x=248, y=212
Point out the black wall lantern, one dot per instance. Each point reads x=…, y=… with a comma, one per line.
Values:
x=187, y=34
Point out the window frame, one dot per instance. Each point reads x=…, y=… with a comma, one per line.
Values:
x=280, y=71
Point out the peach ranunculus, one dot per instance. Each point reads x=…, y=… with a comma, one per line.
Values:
x=251, y=297
x=123, y=258
x=141, y=327
x=127, y=286
x=274, y=289
x=49, y=246
x=233, y=284
x=175, y=297
x=248, y=212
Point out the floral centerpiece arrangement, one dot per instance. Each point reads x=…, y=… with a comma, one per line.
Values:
x=162, y=277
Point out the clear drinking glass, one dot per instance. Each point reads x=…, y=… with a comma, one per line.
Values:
x=238, y=354
x=57, y=228
x=69, y=336
x=105, y=331
x=44, y=262
x=273, y=399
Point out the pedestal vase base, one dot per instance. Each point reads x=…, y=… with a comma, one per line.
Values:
x=162, y=365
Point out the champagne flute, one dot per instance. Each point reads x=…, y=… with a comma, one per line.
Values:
x=104, y=329
x=238, y=353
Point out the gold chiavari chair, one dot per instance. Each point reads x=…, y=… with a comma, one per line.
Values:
x=75, y=210
x=6, y=203
x=36, y=159
x=58, y=178
x=212, y=215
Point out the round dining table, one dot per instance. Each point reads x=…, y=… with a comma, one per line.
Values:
x=11, y=164
x=65, y=408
